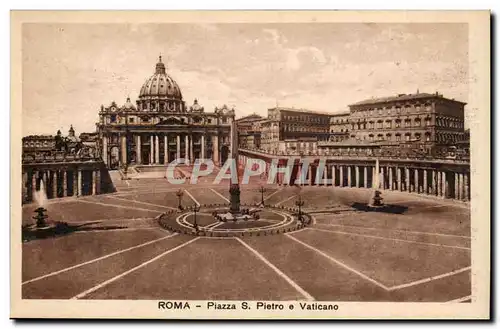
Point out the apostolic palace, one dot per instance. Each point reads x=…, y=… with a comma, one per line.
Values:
x=419, y=139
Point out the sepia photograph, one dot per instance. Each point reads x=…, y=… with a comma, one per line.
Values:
x=217, y=165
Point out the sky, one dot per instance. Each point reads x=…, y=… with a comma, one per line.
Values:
x=69, y=70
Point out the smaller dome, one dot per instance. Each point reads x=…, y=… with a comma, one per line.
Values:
x=128, y=105
x=196, y=107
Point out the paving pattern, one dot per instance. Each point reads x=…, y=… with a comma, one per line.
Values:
x=421, y=254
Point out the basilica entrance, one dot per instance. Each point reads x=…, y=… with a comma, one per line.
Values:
x=145, y=156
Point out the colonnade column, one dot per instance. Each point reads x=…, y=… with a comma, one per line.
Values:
x=165, y=149
x=416, y=184
x=33, y=184
x=79, y=182
x=54, y=183
x=466, y=186
x=391, y=183
x=157, y=149
x=349, y=176
x=443, y=184
x=426, y=187
x=400, y=185
x=456, y=194
x=356, y=168
x=186, y=148
x=203, y=146
x=124, y=149
x=178, y=146
x=365, y=176
x=341, y=176
x=325, y=175
x=138, y=157
x=215, y=151
x=65, y=183
x=407, y=180
x=310, y=181
x=151, y=150
x=191, y=153
x=333, y=175
x=25, y=187
x=382, y=180
x=75, y=183
x=94, y=182
x=105, y=149
x=434, y=183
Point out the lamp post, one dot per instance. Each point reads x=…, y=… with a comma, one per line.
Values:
x=179, y=195
x=299, y=203
x=262, y=190
x=196, y=208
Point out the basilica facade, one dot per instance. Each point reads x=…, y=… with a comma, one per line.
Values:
x=160, y=128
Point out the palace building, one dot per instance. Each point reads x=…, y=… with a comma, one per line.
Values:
x=160, y=128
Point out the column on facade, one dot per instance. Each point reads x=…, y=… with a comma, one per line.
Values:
x=460, y=194
x=341, y=176
x=53, y=180
x=94, y=182
x=65, y=183
x=157, y=149
x=400, y=185
x=151, y=149
x=79, y=186
x=365, y=176
x=391, y=183
x=98, y=181
x=356, y=169
x=178, y=146
x=165, y=149
x=124, y=149
x=44, y=179
x=186, y=148
x=309, y=176
x=138, y=157
x=456, y=193
x=105, y=149
x=425, y=188
x=203, y=146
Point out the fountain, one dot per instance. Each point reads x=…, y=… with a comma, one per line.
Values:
x=41, y=200
x=376, y=199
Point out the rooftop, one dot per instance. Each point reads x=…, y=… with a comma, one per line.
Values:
x=402, y=97
x=291, y=109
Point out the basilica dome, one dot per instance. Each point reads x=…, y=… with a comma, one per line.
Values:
x=160, y=84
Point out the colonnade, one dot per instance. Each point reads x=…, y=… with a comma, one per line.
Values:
x=440, y=182
x=59, y=183
x=165, y=147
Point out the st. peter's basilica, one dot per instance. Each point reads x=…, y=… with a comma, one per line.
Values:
x=159, y=128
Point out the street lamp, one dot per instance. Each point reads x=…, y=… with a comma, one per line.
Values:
x=179, y=195
x=262, y=190
x=196, y=208
x=299, y=203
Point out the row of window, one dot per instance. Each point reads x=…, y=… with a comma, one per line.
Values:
x=391, y=110
x=397, y=137
x=114, y=118
x=307, y=118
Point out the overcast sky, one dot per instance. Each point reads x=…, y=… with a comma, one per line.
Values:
x=69, y=70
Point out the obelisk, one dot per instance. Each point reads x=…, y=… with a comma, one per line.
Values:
x=234, y=188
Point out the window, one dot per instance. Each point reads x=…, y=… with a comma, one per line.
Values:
x=407, y=122
x=388, y=124
x=427, y=137
x=398, y=137
x=389, y=110
x=407, y=137
x=113, y=118
x=398, y=110
x=417, y=136
x=379, y=124
x=388, y=137
x=131, y=120
x=427, y=121
x=370, y=137
x=379, y=111
x=398, y=123
x=417, y=122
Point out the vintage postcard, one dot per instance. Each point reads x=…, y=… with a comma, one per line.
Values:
x=250, y=165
